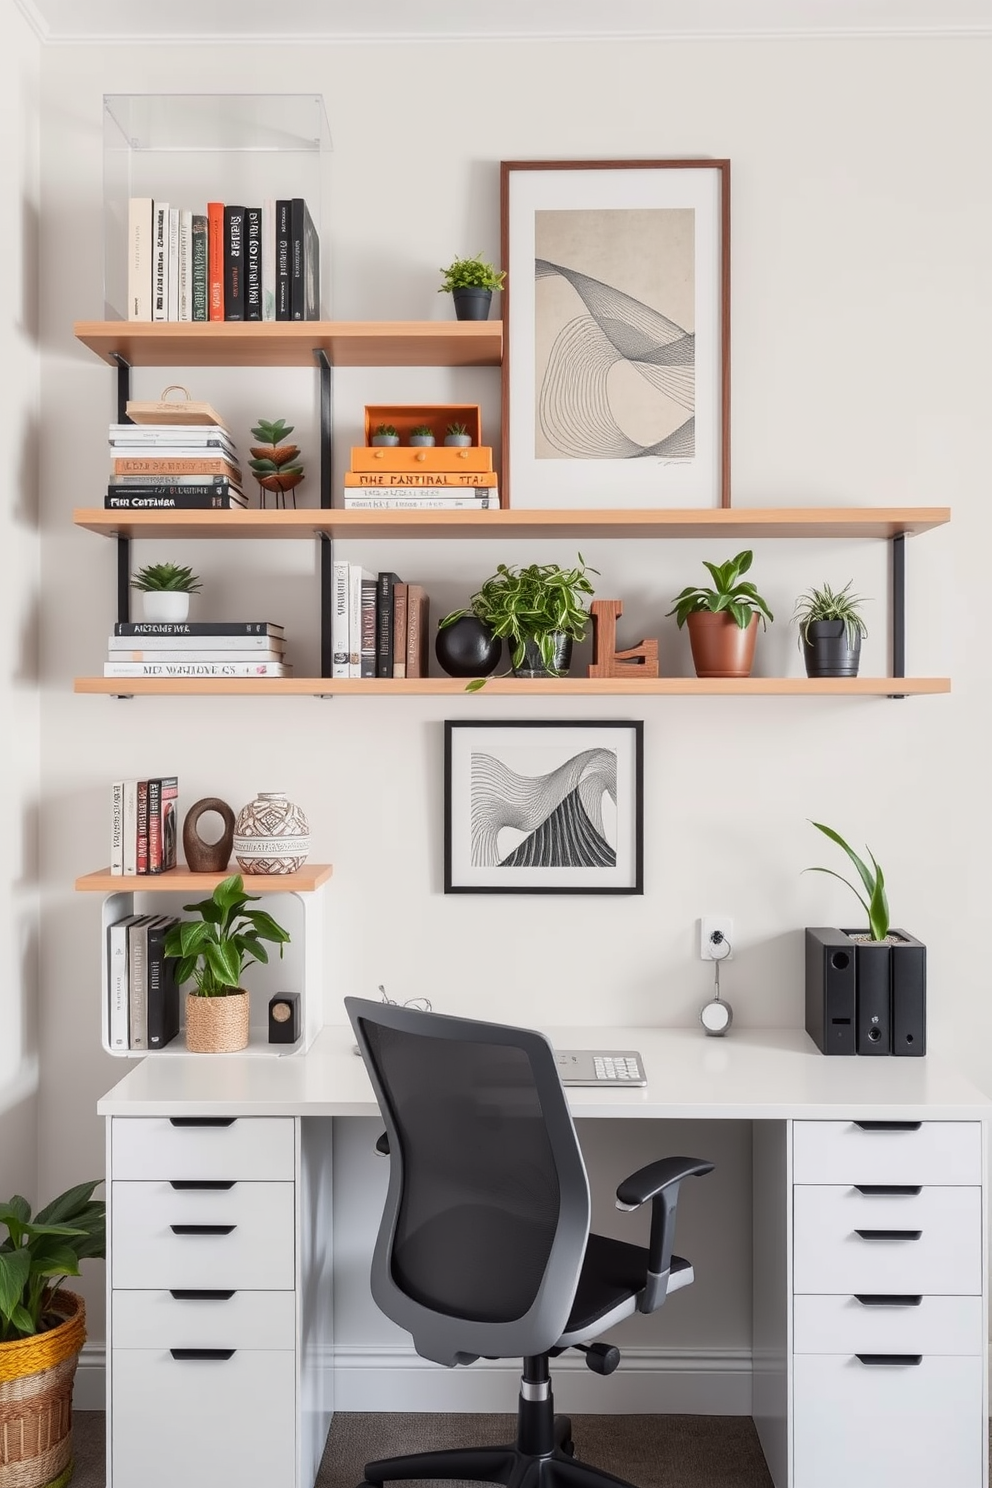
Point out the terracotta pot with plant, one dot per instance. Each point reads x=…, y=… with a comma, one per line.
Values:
x=830, y=631
x=42, y=1330
x=723, y=621
x=470, y=282
x=537, y=610
x=214, y=952
x=165, y=590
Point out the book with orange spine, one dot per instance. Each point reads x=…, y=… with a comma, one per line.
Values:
x=215, y=260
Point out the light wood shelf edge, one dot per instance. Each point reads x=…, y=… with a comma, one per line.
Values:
x=537, y=687
x=304, y=881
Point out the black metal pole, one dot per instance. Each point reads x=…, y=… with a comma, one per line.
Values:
x=898, y=592
x=326, y=551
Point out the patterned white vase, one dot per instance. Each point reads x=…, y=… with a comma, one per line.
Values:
x=271, y=835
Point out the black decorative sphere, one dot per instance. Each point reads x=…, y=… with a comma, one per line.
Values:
x=467, y=648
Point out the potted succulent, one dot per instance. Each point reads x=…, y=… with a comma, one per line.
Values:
x=214, y=952
x=830, y=631
x=274, y=463
x=423, y=435
x=723, y=620
x=470, y=282
x=165, y=589
x=537, y=610
x=456, y=436
x=385, y=434
x=42, y=1329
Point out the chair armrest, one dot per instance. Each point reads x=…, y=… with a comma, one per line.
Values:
x=659, y=1182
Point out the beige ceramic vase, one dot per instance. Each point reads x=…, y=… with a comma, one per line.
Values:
x=271, y=835
x=217, y=1025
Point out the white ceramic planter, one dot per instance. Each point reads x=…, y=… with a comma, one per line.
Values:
x=165, y=605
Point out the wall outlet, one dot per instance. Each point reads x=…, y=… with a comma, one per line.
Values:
x=722, y=949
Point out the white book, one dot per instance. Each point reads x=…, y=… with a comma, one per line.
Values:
x=129, y=827
x=192, y=653
x=185, y=264
x=160, y=263
x=157, y=433
x=269, y=259
x=140, y=231
x=421, y=503
x=196, y=669
x=137, y=981
x=117, y=827
x=173, y=263
x=356, y=575
x=340, y=612
x=117, y=998
x=234, y=647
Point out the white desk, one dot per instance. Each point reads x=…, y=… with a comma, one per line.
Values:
x=858, y=1392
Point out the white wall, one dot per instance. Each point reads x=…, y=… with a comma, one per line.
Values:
x=862, y=317
x=19, y=616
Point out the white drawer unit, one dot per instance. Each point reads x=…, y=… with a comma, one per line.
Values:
x=887, y=1323
x=164, y=1236
x=258, y=1147
x=888, y=1421
x=926, y=1240
x=204, y=1318
x=944, y=1152
x=201, y=1418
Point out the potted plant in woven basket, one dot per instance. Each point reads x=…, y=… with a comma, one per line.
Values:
x=214, y=952
x=42, y=1329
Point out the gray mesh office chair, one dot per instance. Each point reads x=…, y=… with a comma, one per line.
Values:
x=484, y=1248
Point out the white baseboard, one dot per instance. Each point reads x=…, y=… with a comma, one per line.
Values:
x=89, y=1390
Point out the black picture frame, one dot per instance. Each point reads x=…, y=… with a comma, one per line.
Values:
x=541, y=806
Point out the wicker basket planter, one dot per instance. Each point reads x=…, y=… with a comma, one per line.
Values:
x=216, y=1025
x=36, y=1378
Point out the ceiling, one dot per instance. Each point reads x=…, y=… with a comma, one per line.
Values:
x=106, y=21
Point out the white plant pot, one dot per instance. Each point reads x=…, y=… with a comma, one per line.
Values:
x=165, y=605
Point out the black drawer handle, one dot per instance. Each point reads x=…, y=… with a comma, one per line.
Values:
x=183, y=1353
x=889, y=1125
x=886, y=1234
x=203, y=1120
x=879, y=1361
x=188, y=1294
x=201, y=1229
x=214, y=1184
x=889, y=1188
x=888, y=1299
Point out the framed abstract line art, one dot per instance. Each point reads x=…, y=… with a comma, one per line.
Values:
x=543, y=808
x=616, y=358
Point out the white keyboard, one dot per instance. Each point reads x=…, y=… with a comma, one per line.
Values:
x=600, y=1067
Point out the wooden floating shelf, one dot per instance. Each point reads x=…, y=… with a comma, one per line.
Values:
x=736, y=522
x=517, y=687
x=185, y=881
x=293, y=343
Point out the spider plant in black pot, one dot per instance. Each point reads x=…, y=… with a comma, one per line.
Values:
x=830, y=631
x=537, y=610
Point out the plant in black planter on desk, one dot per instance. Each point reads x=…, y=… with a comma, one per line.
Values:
x=830, y=631
x=470, y=282
x=865, y=988
x=537, y=610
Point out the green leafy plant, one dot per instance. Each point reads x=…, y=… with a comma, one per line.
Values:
x=39, y=1253
x=874, y=900
x=275, y=464
x=216, y=949
x=535, y=603
x=457, y=430
x=384, y=431
x=827, y=604
x=471, y=273
x=156, y=576
x=422, y=431
x=729, y=594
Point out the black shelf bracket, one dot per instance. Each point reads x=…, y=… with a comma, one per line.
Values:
x=123, y=544
x=897, y=592
x=326, y=488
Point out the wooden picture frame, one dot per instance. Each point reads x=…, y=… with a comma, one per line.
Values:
x=616, y=308
x=544, y=807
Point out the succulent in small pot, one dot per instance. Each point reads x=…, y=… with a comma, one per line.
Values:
x=165, y=590
x=422, y=435
x=385, y=434
x=722, y=620
x=456, y=436
x=470, y=282
x=274, y=463
x=830, y=630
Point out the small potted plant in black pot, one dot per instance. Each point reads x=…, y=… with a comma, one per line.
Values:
x=830, y=631
x=470, y=282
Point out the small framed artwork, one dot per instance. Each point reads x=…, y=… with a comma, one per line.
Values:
x=616, y=359
x=543, y=808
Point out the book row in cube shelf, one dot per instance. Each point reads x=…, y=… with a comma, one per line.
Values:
x=379, y=624
x=142, y=992
x=225, y=261
x=199, y=648
x=143, y=825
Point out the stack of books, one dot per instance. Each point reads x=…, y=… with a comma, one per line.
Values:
x=143, y=825
x=225, y=262
x=182, y=467
x=142, y=994
x=197, y=648
x=379, y=624
x=412, y=476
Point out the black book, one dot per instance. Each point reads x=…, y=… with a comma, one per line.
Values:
x=283, y=212
x=162, y=992
x=304, y=262
x=234, y=263
x=197, y=627
x=164, y=500
x=384, y=624
x=253, y=263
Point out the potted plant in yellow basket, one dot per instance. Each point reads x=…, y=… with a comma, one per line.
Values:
x=214, y=952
